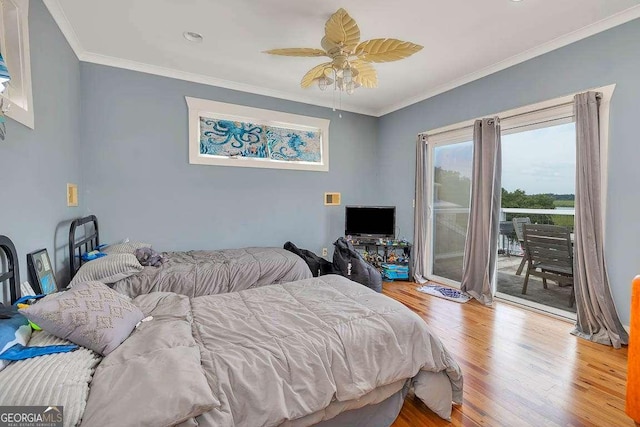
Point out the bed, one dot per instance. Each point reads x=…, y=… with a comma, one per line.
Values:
x=321, y=351
x=195, y=273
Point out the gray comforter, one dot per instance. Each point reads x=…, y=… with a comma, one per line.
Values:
x=197, y=273
x=292, y=354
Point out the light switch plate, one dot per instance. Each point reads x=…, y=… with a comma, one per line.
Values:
x=72, y=195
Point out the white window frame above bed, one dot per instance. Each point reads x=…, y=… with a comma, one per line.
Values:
x=14, y=45
x=239, y=113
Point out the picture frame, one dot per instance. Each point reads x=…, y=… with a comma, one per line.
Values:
x=222, y=134
x=41, y=272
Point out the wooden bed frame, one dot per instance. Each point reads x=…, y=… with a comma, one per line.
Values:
x=13, y=271
x=88, y=243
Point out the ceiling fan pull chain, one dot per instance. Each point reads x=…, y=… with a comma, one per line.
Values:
x=333, y=95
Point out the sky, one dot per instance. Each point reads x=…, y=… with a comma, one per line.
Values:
x=540, y=160
x=536, y=161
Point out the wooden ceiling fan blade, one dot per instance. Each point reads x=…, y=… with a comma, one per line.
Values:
x=342, y=44
x=314, y=74
x=328, y=45
x=297, y=51
x=366, y=75
x=385, y=50
x=341, y=28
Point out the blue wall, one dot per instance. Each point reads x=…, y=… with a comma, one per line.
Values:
x=609, y=57
x=36, y=165
x=129, y=154
x=138, y=181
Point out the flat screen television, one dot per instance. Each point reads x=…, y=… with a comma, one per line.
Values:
x=370, y=222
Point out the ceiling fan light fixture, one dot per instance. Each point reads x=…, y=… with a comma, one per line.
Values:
x=347, y=76
x=351, y=87
x=324, y=82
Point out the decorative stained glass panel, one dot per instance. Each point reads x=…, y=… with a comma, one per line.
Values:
x=293, y=145
x=235, y=135
x=229, y=138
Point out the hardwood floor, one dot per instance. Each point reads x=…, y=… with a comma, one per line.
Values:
x=520, y=368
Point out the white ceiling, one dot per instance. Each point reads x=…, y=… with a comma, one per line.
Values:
x=463, y=40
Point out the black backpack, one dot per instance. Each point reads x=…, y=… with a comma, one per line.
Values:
x=352, y=266
x=318, y=265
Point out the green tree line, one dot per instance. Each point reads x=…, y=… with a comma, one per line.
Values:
x=453, y=187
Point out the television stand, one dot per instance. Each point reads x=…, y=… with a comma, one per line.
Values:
x=376, y=253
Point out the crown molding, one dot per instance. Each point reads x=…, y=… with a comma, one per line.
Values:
x=582, y=33
x=61, y=19
x=213, y=81
x=65, y=26
x=57, y=12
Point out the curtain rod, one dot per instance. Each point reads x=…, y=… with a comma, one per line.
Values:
x=502, y=118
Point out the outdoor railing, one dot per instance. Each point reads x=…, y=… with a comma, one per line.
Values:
x=508, y=241
x=451, y=222
x=561, y=211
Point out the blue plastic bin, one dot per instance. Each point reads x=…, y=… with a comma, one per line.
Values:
x=395, y=271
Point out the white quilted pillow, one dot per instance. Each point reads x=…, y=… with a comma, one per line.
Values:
x=60, y=379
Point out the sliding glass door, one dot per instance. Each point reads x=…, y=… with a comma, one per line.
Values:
x=538, y=180
x=538, y=187
x=449, y=198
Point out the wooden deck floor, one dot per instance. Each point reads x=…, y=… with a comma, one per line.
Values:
x=520, y=368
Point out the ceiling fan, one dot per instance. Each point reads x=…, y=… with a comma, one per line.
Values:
x=351, y=60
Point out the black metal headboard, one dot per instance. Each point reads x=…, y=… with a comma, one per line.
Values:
x=88, y=243
x=13, y=271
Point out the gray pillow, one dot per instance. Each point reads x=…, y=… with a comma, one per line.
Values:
x=108, y=269
x=124, y=248
x=89, y=314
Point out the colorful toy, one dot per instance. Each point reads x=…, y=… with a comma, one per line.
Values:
x=89, y=256
x=33, y=325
